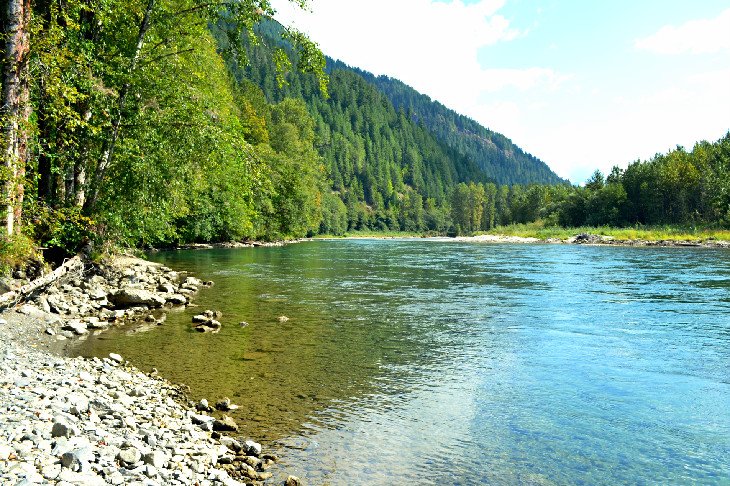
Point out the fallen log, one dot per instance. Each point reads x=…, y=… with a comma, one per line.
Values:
x=70, y=265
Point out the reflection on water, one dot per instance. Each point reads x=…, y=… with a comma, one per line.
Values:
x=453, y=363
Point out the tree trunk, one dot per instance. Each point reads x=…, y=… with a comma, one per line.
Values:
x=74, y=264
x=111, y=142
x=45, y=177
x=59, y=188
x=15, y=108
x=80, y=183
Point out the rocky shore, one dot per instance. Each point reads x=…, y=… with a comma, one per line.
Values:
x=591, y=239
x=75, y=421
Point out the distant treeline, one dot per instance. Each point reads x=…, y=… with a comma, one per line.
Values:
x=678, y=188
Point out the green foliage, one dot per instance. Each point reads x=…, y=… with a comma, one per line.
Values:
x=15, y=250
x=65, y=229
x=383, y=165
x=139, y=126
x=542, y=231
x=498, y=158
x=678, y=188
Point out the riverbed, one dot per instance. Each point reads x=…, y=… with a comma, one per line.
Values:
x=441, y=362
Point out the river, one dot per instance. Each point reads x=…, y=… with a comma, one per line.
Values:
x=440, y=362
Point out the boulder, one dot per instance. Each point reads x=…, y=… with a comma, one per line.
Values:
x=293, y=481
x=61, y=428
x=129, y=455
x=252, y=448
x=225, y=424
x=97, y=293
x=31, y=310
x=202, y=406
x=177, y=299
x=127, y=297
x=166, y=288
x=231, y=443
x=43, y=302
x=201, y=419
x=75, y=326
x=211, y=326
x=157, y=459
x=77, y=459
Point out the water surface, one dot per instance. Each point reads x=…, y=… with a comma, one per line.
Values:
x=429, y=362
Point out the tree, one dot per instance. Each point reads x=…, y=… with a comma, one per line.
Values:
x=460, y=209
x=490, y=211
x=239, y=16
x=596, y=181
x=15, y=107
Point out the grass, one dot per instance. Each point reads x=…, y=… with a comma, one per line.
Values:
x=657, y=233
x=540, y=231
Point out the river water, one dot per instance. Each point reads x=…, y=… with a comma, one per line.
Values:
x=439, y=362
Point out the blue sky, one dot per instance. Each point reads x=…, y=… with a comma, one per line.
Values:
x=580, y=84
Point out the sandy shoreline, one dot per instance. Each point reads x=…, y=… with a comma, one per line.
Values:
x=102, y=421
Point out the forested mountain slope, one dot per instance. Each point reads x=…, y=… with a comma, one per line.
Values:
x=498, y=157
x=389, y=168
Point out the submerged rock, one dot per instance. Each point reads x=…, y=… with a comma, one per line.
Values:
x=225, y=405
x=225, y=424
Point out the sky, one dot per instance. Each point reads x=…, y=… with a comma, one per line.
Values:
x=580, y=84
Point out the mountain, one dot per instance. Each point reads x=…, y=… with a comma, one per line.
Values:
x=499, y=158
x=391, y=163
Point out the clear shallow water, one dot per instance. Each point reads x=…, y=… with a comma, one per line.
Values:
x=449, y=363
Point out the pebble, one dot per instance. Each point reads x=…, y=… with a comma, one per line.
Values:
x=87, y=422
x=62, y=429
x=80, y=421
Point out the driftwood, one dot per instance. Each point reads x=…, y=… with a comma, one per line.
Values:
x=70, y=265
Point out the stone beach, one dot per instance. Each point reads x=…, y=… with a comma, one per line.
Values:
x=75, y=421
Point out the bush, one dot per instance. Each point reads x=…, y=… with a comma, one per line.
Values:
x=16, y=251
x=64, y=231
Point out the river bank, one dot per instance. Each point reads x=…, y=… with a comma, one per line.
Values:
x=576, y=239
x=102, y=421
x=594, y=239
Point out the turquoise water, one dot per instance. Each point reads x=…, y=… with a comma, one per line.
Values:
x=437, y=362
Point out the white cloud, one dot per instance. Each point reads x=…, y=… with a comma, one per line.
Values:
x=522, y=79
x=688, y=110
x=432, y=46
x=695, y=37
